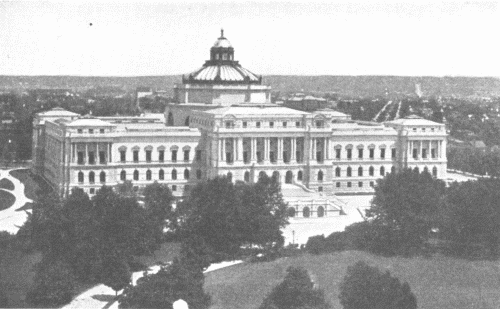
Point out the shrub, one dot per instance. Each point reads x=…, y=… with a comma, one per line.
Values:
x=297, y=291
x=316, y=244
x=54, y=284
x=365, y=287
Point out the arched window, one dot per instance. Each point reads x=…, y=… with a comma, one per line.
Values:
x=174, y=174
x=102, y=177
x=371, y=171
x=91, y=177
x=349, y=171
x=321, y=211
x=198, y=174
x=262, y=174
x=276, y=176
x=186, y=174
x=360, y=171
x=123, y=175
x=246, y=177
x=136, y=175
x=434, y=171
x=80, y=177
x=230, y=176
x=299, y=176
x=337, y=172
x=291, y=212
x=426, y=170
x=306, y=212
x=161, y=174
x=320, y=176
x=148, y=175
x=382, y=171
x=289, y=177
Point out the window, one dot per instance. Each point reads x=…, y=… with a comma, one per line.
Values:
x=246, y=176
x=257, y=124
x=174, y=188
x=337, y=153
x=80, y=177
x=91, y=131
x=174, y=155
x=299, y=175
x=424, y=153
x=80, y=131
x=80, y=157
x=393, y=153
x=148, y=175
x=320, y=124
x=372, y=153
x=136, y=175
x=423, y=129
x=91, y=177
x=186, y=174
x=337, y=184
x=349, y=154
x=102, y=177
x=415, y=153
x=360, y=153
x=349, y=184
x=92, y=190
x=186, y=155
x=284, y=124
x=382, y=153
x=349, y=171
x=371, y=171
x=393, y=169
x=136, y=156
x=414, y=129
x=161, y=155
x=229, y=124
x=320, y=189
x=101, y=131
x=123, y=175
x=174, y=174
x=148, y=155
x=360, y=184
x=198, y=174
x=297, y=124
x=271, y=124
x=245, y=157
x=102, y=157
x=161, y=175
x=122, y=155
x=337, y=172
x=245, y=124
x=91, y=157
x=306, y=212
x=434, y=171
x=198, y=155
x=320, y=176
x=382, y=171
x=433, y=153
x=372, y=184
x=360, y=171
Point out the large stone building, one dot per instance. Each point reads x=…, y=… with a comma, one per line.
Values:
x=319, y=151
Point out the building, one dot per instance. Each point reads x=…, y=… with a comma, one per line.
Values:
x=306, y=103
x=321, y=151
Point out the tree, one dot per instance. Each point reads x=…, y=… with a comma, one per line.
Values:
x=472, y=216
x=227, y=216
x=54, y=284
x=295, y=292
x=365, y=287
x=158, y=201
x=407, y=204
x=116, y=273
x=177, y=281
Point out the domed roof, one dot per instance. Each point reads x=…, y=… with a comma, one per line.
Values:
x=222, y=42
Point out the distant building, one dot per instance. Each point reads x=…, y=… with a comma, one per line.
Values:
x=306, y=103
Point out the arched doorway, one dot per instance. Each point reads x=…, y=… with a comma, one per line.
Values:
x=291, y=212
x=321, y=211
x=276, y=176
x=289, y=177
x=306, y=212
x=170, y=119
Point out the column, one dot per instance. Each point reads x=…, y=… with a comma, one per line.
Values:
x=266, y=149
x=253, y=149
x=325, y=148
x=222, y=142
x=85, y=160
x=239, y=150
x=420, y=149
x=110, y=147
x=439, y=149
x=97, y=158
x=280, y=149
x=313, y=149
x=293, y=149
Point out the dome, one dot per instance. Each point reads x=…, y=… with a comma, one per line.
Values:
x=222, y=42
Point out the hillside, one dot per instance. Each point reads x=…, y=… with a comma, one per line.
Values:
x=366, y=86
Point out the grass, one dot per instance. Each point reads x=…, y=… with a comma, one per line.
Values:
x=6, y=199
x=437, y=282
x=6, y=184
x=32, y=183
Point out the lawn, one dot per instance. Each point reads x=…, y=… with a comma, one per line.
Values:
x=32, y=183
x=6, y=184
x=437, y=282
x=6, y=199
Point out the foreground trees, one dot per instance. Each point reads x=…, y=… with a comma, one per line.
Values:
x=365, y=287
x=221, y=217
x=295, y=292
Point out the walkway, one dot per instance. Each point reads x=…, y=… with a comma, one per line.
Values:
x=11, y=219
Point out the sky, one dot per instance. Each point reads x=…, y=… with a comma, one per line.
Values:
x=102, y=38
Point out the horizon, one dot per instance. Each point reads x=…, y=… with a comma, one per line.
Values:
x=270, y=39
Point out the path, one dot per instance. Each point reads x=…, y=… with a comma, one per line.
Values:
x=103, y=297
x=11, y=219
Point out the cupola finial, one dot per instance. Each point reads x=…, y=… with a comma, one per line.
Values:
x=222, y=32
